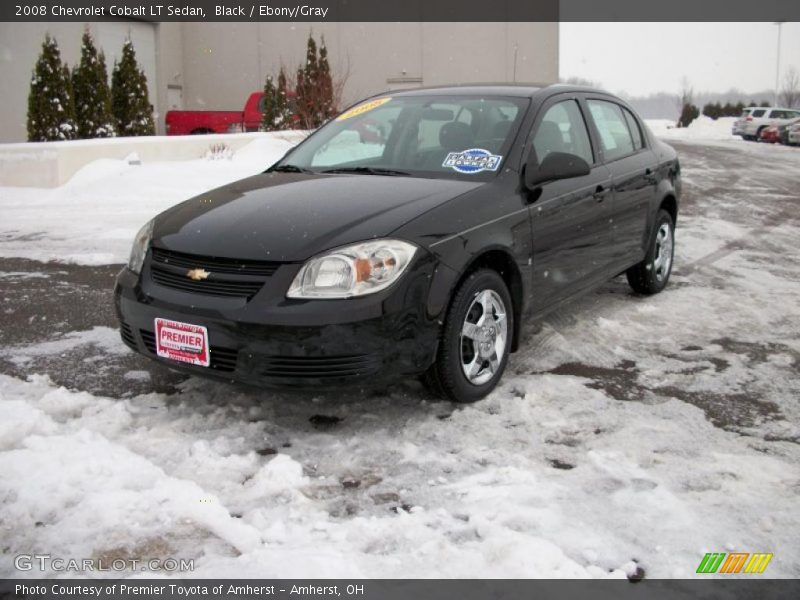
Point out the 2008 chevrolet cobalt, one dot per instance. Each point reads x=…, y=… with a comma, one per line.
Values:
x=411, y=235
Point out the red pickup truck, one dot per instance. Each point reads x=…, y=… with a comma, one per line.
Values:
x=193, y=122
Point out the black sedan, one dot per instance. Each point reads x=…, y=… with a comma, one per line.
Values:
x=411, y=235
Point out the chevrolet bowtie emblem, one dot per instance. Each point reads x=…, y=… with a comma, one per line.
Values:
x=198, y=274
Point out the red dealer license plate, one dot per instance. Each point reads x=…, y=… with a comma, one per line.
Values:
x=183, y=342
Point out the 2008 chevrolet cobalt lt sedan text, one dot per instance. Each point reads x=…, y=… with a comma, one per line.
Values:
x=411, y=235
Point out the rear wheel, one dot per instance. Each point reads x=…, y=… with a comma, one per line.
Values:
x=652, y=274
x=475, y=341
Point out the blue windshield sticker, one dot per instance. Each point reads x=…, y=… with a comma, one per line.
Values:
x=473, y=160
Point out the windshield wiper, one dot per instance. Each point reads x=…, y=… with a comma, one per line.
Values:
x=289, y=169
x=367, y=171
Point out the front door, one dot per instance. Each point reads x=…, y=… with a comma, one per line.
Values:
x=568, y=218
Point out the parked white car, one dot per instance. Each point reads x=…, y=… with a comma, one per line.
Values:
x=754, y=119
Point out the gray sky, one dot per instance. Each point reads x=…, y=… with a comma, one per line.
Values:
x=643, y=58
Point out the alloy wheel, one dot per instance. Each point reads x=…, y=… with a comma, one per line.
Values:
x=484, y=337
x=662, y=263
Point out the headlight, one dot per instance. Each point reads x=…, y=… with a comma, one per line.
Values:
x=140, y=245
x=354, y=270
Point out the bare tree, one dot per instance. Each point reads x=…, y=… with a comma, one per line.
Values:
x=686, y=95
x=340, y=79
x=790, y=94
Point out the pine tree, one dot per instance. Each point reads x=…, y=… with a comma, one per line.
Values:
x=315, y=102
x=130, y=102
x=689, y=113
x=325, y=85
x=729, y=110
x=92, y=94
x=277, y=114
x=270, y=114
x=51, y=112
x=285, y=112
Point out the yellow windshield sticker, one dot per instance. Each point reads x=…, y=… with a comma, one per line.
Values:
x=362, y=108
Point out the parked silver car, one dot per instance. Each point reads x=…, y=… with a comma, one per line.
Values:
x=754, y=119
x=793, y=134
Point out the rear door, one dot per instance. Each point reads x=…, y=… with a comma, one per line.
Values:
x=632, y=164
x=568, y=218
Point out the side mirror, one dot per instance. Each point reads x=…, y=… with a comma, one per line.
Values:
x=556, y=165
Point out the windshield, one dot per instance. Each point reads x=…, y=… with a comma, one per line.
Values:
x=426, y=136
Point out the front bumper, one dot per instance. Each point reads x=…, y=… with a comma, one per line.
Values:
x=274, y=342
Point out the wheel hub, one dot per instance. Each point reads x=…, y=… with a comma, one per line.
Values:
x=484, y=337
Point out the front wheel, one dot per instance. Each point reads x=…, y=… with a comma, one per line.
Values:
x=652, y=274
x=476, y=339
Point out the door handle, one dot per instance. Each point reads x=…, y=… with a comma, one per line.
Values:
x=600, y=193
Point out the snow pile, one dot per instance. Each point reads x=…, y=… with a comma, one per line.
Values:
x=702, y=129
x=92, y=218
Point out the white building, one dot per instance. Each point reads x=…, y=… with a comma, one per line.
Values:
x=214, y=66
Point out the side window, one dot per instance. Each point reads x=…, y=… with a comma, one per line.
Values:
x=759, y=113
x=563, y=130
x=636, y=131
x=612, y=128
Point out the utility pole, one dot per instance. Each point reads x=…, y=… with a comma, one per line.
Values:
x=778, y=63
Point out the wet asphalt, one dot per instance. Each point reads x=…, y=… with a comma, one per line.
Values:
x=41, y=302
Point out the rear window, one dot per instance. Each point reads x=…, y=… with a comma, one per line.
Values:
x=759, y=113
x=636, y=133
x=615, y=137
x=745, y=113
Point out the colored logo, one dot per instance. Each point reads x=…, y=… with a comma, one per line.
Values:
x=473, y=160
x=362, y=108
x=735, y=562
x=197, y=274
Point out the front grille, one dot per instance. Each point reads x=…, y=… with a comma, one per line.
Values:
x=221, y=359
x=319, y=366
x=212, y=287
x=231, y=266
x=126, y=333
x=227, y=276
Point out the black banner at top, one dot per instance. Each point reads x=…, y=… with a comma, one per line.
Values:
x=405, y=10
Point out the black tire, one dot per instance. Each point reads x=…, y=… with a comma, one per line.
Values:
x=652, y=275
x=758, y=133
x=446, y=376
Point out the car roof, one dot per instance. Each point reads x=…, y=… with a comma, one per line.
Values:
x=520, y=90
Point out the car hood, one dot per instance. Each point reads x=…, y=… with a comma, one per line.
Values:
x=290, y=217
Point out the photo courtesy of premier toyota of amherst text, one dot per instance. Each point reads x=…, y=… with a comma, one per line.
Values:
x=359, y=299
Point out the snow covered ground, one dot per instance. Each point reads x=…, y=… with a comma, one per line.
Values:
x=92, y=219
x=629, y=433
